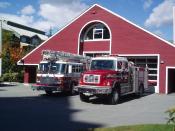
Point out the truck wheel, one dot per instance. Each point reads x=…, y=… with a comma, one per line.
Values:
x=72, y=91
x=141, y=90
x=84, y=98
x=114, y=97
x=49, y=92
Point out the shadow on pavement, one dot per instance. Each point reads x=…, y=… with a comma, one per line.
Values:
x=123, y=99
x=40, y=113
x=7, y=84
x=3, y=90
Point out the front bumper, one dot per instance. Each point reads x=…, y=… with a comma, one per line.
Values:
x=46, y=87
x=93, y=90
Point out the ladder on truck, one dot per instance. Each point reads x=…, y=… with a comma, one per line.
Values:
x=64, y=56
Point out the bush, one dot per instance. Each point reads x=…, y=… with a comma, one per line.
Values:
x=171, y=116
x=12, y=77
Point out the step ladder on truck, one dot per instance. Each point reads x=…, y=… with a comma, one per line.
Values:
x=59, y=71
x=112, y=77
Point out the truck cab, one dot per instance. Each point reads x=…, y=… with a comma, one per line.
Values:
x=113, y=77
x=59, y=72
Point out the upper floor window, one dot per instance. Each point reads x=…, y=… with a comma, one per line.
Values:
x=25, y=39
x=35, y=41
x=95, y=31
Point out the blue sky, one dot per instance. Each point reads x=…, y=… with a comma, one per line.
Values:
x=153, y=15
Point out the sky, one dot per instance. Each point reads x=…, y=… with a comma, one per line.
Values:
x=155, y=16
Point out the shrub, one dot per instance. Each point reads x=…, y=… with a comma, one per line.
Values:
x=10, y=77
x=171, y=116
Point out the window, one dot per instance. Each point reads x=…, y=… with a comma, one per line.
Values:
x=102, y=65
x=95, y=31
x=119, y=65
x=98, y=34
x=35, y=41
x=77, y=68
x=64, y=69
x=25, y=39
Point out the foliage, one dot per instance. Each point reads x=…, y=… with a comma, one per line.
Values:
x=11, y=53
x=171, y=116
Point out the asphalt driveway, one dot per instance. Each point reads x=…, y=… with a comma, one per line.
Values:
x=24, y=109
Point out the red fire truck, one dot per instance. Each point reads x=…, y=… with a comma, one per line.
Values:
x=59, y=71
x=112, y=76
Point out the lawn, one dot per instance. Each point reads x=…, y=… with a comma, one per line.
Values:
x=151, y=127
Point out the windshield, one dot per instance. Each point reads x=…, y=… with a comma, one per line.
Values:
x=44, y=67
x=102, y=65
x=49, y=67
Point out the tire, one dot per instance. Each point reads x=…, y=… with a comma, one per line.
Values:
x=72, y=91
x=84, y=98
x=48, y=92
x=140, y=91
x=114, y=97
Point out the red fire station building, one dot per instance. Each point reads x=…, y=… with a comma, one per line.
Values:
x=99, y=31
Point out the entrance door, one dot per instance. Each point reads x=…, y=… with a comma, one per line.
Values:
x=171, y=80
x=32, y=74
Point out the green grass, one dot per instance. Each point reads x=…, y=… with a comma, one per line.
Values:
x=151, y=127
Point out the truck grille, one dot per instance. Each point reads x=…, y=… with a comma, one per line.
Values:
x=91, y=78
x=47, y=80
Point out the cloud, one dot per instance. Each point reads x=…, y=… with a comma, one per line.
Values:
x=4, y=4
x=159, y=33
x=161, y=15
x=43, y=25
x=21, y=19
x=28, y=10
x=50, y=14
x=60, y=13
x=147, y=4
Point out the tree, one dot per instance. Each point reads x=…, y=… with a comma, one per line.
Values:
x=11, y=53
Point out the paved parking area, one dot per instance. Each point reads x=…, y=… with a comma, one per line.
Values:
x=24, y=109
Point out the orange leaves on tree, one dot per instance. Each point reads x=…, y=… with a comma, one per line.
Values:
x=15, y=53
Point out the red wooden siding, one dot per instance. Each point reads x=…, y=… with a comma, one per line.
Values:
x=96, y=46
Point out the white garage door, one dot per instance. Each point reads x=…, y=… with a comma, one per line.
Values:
x=147, y=61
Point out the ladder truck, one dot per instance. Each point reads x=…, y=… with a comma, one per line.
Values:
x=59, y=71
x=112, y=77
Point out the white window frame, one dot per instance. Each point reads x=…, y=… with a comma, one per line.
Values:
x=94, y=33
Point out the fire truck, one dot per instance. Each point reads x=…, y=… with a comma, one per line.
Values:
x=59, y=71
x=112, y=77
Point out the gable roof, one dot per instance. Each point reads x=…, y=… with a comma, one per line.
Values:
x=124, y=19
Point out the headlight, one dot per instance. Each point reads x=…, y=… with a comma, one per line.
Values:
x=37, y=79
